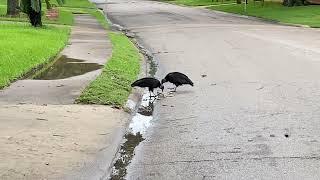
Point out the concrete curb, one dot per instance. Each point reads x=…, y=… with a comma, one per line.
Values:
x=135, y=97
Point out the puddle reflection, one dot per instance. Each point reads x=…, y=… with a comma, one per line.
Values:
x=66, y=67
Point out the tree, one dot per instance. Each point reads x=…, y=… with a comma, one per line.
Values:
x=12, y=7
x=33, y=9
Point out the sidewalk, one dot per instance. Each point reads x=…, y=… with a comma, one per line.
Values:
x=43, y=135
x=58, y=141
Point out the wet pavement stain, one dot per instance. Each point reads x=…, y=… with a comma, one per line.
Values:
x=66, y=67
x=126, y=154
x=146, y=110
x=153, y=66
x=137, y=128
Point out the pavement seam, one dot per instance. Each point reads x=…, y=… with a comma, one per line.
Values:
x=234, y=159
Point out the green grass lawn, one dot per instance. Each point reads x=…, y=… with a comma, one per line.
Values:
x=19, y=54
x=24, y=47
x=306, y=15
x=112, y=87
x=65, y=13
x=79, y=4
x=200, y=2
x=3, y=9
x=100, y=17
x=65, y=16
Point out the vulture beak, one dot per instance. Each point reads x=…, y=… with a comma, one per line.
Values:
x=161, y=87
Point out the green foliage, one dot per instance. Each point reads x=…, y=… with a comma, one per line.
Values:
x=291, y=3
x=306, y=15
x=60, y=2
x=27, y=5
x=201, y=2
x=112, y=87
x=36, y=5
x=19, y=52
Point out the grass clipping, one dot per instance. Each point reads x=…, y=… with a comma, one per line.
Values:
x=112, y=87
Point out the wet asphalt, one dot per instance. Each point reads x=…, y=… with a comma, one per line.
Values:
x=254, y=110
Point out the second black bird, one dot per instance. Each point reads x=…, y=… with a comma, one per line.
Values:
x=177, y=78
x=150, y=83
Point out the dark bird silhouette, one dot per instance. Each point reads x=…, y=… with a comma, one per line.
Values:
x=177, y=78
x=148, y=82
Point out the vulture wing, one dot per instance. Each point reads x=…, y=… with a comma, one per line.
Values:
x=180, y=78
x=145, y=82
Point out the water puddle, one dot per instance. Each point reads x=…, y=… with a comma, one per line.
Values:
x=66, y=67
x=137, y=128
x=119, y=170
x=140, y=123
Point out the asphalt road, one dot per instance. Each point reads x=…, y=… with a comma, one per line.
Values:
x=254, y=110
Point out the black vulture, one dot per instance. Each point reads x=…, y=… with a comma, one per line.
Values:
x=177, y=78
x=148, y=82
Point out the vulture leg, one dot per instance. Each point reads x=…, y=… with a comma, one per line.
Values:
x=174, y=89
x=154, y=95
x=151, y=94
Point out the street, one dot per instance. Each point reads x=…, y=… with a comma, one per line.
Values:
x=254, y=110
